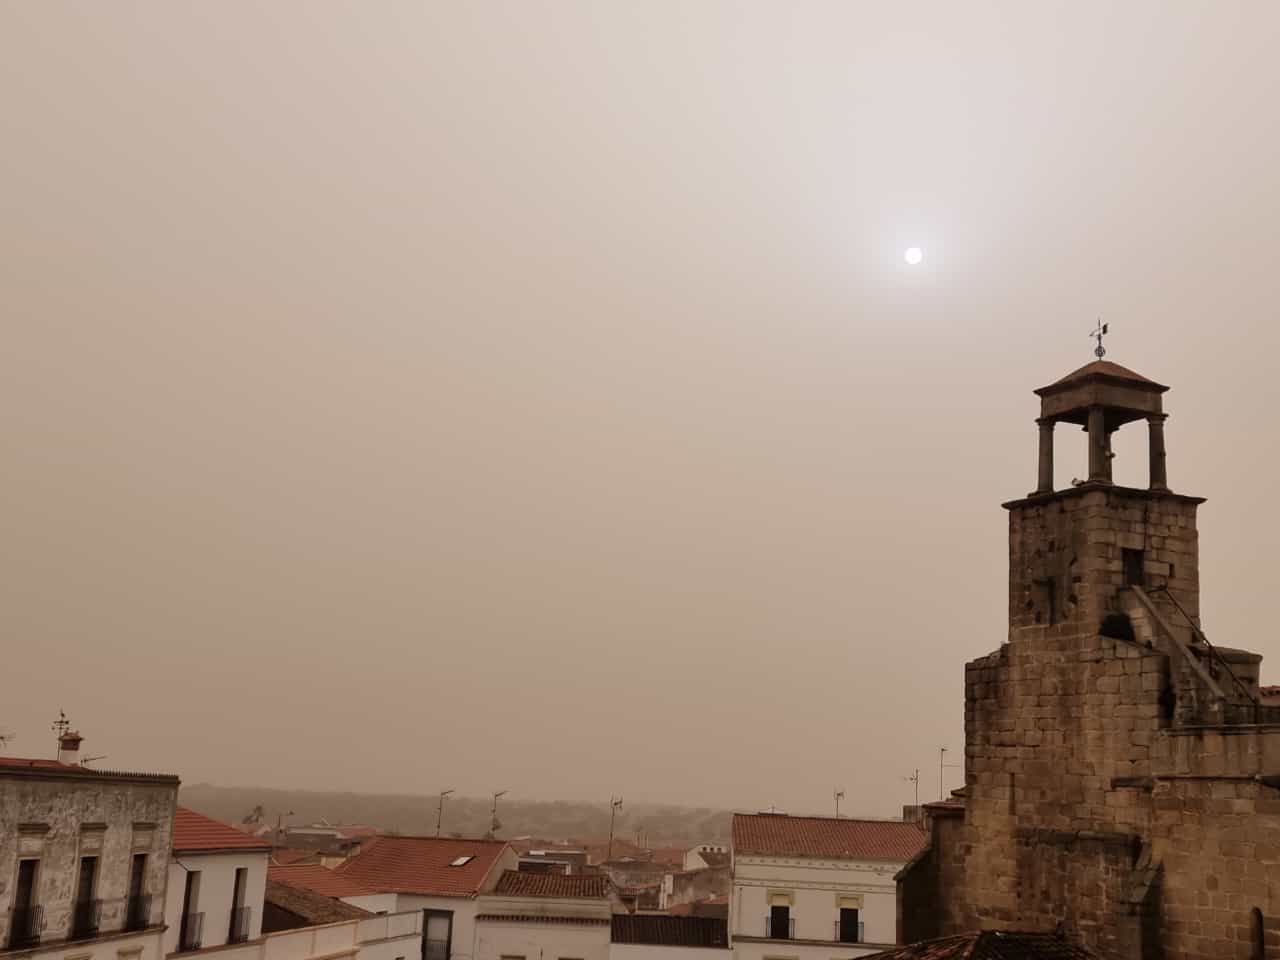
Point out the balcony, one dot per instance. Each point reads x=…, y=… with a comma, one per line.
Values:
x=239, y=931
x=86, y=917
x=137, y=912
x=849, y=932
x=25, y=924
x=436, y=950
x=779, y=929
x=190, y=932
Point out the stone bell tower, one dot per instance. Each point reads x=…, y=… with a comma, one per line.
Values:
x=1072, y=551
x=1122, y=773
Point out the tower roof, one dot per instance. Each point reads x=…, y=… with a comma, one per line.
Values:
x=1103, y=370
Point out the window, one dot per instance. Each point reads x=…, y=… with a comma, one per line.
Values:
x=437, y=938
x=780, y=922
x=84, y=915
x=1133, y=562
x=239, y=931
x=461, y=861
x=850, y=930
x=190, y=928
x=24, y=927
x=138, y=906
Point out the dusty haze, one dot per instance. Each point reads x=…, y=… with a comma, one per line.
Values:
x=401, y=396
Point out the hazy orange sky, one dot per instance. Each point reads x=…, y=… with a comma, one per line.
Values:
x=400, y=396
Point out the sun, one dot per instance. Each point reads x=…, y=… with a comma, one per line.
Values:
x=913, y=255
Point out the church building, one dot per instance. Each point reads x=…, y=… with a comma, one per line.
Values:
x=1122, y=773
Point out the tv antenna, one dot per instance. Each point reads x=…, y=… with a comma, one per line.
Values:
x=1098, y=333
x=915, y=779
x=615, y=804
x=440, y=809
x=838, y=794
x=494, y=823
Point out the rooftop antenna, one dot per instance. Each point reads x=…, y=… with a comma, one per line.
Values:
x=615, y=804
x=440, y=810
x=942, y=753
x=86, y=760
x=839, y=795
x=494, y=823
x=60, y=728
x=1098, y=333
x=915, y=779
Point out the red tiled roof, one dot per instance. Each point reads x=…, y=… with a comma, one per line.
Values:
x=513, y=883
x=778, y=835
x=318, y=879
x=421, y=865
x=669, y=855
x=37, y=765
x=195, y=832
x=40, y=764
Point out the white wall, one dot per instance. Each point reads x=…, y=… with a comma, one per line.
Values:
x=816, y=887
x=542, y=941
x=464, y=919
x=374, y=902
x=217, y=888
x=781, y=950
x=391, y=936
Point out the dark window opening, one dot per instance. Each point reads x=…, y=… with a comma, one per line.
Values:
x=1259, y=932
x=191, y=926
x=850, y=928
x=1134, y=575
x=780, y=922
x=239, y=931
x=437, y=937
x=1118, y=626
x=24, y=923
x=85, y=914
x=138, y=907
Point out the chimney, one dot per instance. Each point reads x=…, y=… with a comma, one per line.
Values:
x=69, y=747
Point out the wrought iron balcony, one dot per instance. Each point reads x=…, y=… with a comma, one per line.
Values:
x=849, y=932
x=779, y=929
x=137, y=912
x=86, y=916
x=191, y=931
x=25, y=924
x=239, y=931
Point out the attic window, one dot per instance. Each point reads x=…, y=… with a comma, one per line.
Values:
x=461, y=861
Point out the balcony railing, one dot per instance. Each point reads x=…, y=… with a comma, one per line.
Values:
x=844, y=933
x=239, y=931
x=137, y=912
x=190, y=932
x=437, y=950
x=25, y=924
x=86, y=917
x=780, y=929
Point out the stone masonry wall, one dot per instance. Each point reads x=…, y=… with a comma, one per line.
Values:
x=1075, y=814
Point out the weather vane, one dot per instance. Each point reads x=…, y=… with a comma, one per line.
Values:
x=1098, y=333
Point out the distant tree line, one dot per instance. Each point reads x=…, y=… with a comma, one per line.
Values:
x=654, y=824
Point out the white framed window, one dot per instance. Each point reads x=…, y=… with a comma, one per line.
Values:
x=461, y=861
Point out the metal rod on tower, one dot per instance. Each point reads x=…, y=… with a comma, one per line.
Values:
x=838, y=794
x=440, y=810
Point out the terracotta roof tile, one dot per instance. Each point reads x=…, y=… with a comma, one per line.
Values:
x=660, y=930
x=421, y=865
x=195, y=832
x=319, y=879
x=775, y=835
x=36, y=765
x=283, y=856
x=513, y=883
x=307, y=905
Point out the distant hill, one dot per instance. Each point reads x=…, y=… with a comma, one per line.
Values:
x=654, y=824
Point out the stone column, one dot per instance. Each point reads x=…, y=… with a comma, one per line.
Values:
x=1155, y=434
x=1044, y=481
x=1099, y=462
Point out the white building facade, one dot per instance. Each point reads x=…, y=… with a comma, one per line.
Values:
x=545, y=916
x=816, y=888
